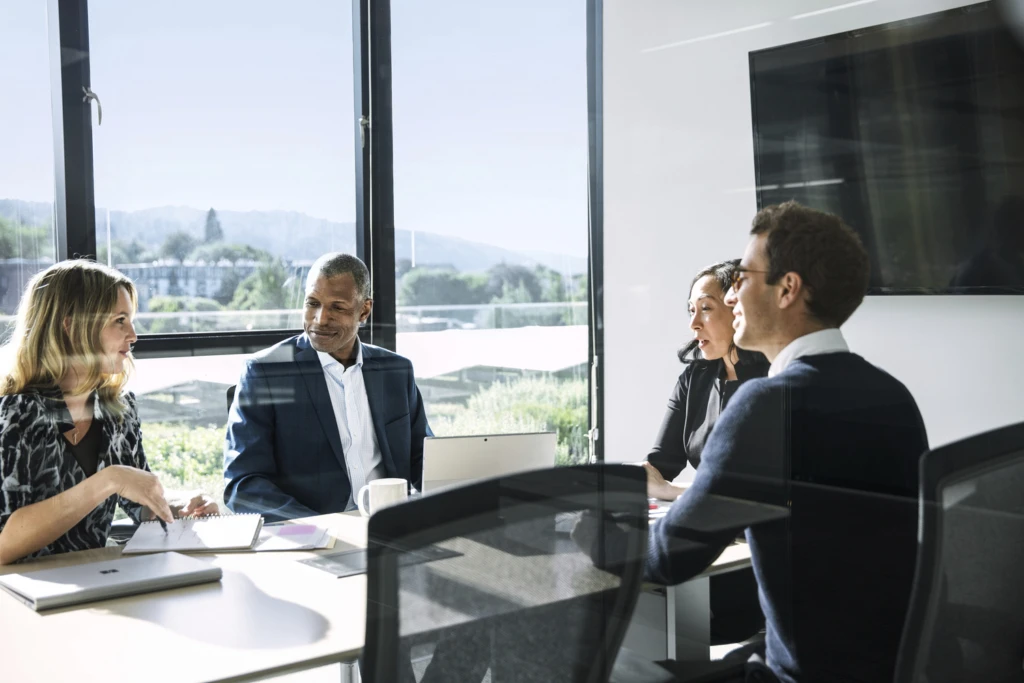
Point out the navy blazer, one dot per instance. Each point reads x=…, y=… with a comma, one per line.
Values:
x=283, y=455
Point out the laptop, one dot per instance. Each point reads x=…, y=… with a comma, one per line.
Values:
x=64, y=586
x=456, y=460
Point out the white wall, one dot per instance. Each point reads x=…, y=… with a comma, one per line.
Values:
x=679, y=176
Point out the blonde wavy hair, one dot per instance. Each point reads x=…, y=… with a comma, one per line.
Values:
x=60, y=318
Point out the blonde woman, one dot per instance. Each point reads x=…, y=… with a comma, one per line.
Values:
x=70, y=441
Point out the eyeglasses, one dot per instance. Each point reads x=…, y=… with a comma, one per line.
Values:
x=737, y=277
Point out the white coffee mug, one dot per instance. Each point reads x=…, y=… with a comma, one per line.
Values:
x=383, y=492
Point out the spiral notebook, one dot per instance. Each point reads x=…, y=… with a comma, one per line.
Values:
x=216, y=533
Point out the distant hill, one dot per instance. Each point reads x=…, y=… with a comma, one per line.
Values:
x=292, y=235
x=28, y=213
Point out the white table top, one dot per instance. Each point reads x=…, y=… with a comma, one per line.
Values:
x=268, y=615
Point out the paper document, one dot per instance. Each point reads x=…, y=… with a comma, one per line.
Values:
x=293, y=537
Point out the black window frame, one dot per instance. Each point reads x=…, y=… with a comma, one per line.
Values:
x=74, y=201
x=75, y=205
x=595, y=250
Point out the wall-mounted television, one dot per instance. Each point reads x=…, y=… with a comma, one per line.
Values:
x=913, y=132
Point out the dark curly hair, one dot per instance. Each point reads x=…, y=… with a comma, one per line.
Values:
x=825, y=252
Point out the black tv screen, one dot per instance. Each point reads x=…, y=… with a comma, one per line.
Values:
x=913, y=132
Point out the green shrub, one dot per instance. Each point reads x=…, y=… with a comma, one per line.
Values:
x=187, y=458
x=191, y=459
x=182, y=304
x=525, y=405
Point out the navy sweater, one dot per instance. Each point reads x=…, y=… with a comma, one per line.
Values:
x=838, y=440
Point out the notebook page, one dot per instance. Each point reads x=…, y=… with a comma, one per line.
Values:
x=197, y=534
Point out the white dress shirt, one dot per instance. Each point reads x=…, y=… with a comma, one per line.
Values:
x=813, y=344
x=355, y=424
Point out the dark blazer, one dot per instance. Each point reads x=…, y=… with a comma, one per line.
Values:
x=700, y=396
x=838, y=441
x=283, y=456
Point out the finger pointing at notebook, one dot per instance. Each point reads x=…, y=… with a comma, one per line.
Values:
x=141, y=487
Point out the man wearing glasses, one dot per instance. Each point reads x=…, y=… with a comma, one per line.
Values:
x=827, y=434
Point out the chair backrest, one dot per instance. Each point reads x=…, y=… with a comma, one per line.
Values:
x=486, y=577
x=966, y=615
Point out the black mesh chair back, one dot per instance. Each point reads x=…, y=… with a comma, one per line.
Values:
x=966, y=616
x=485, y=580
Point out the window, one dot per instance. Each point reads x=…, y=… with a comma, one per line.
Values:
x=184, y=413
x=225, y=161
x=490, y=186
x=27, y=243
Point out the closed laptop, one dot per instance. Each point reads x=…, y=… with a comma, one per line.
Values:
x=45, y=589
x=456, y=460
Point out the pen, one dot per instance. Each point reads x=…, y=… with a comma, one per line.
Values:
x=163, y=524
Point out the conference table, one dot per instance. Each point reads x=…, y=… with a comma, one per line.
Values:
x=269, y=615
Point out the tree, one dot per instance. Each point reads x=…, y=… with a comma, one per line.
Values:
x=183, y=304
x=552, y=284
x=138, y=252
x=427, y=286
x=122, y=253
x=228, y=286
x=578, y=287
x=24, y=241
x=178, y=245
x=402, y=266
x=116, y=253
x=212, y=253
x=505, y=277
x=212, y=231
x=266, y=289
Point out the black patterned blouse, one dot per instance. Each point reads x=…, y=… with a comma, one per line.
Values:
x=36, y=462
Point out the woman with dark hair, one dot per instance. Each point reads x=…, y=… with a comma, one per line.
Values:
x=715, y=368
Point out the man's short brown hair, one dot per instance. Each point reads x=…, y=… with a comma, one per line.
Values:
x=825, y=252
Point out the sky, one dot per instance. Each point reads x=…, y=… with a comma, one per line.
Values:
x=205, y=104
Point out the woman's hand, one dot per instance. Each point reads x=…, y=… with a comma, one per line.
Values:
x=141, y=487
x=199, y=506
x=657, y=487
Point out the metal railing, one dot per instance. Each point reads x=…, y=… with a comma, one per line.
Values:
x=427, y=318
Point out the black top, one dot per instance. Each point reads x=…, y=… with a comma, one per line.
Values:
x=838, y=441
x=87, y=450
x=37, y=462
x=700, y=395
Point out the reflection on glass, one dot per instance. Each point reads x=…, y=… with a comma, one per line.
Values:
x=490, y=168
x=26, y=152
x=184, y=412
x=911, y=132
x=224, y=165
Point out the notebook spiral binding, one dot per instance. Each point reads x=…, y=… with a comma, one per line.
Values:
x=217, y=516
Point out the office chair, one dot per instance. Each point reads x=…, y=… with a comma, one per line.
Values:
x=966, y=616
x=486, y=577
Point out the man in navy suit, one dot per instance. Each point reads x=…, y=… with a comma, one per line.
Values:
x=319, y=415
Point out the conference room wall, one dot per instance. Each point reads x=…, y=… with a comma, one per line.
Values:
x=679, y=194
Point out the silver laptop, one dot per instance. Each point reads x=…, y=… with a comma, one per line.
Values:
x=455, y=460
x=63, y=586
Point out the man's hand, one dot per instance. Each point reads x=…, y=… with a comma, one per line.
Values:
x=199, y=506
